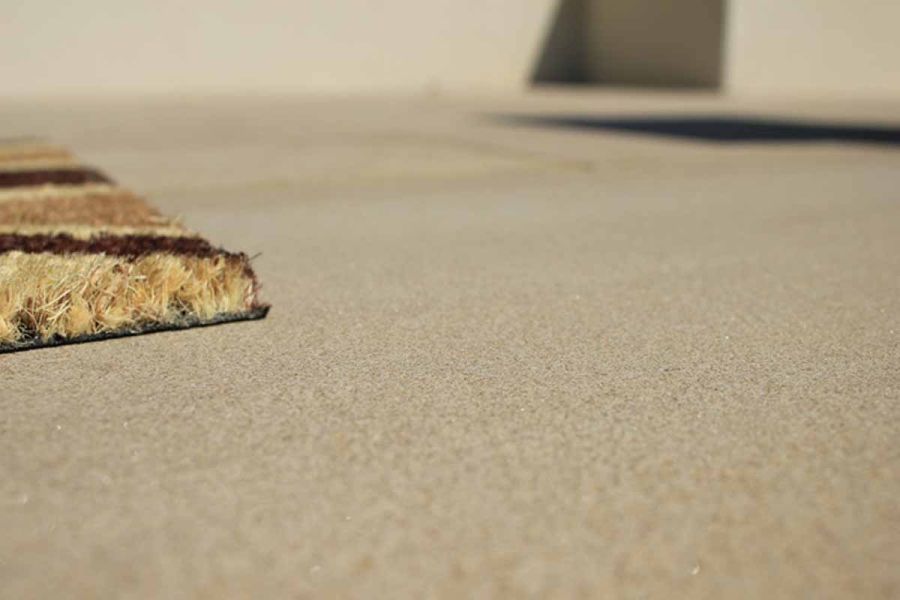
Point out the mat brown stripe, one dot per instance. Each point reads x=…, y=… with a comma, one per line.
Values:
x=38, y=164
x=126, y=245
x=17, y=152
x=51, y=177
x=100, y=209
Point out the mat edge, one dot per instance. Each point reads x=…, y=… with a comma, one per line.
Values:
x=254, y=314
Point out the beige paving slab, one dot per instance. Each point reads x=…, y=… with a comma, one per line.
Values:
x=533, y=364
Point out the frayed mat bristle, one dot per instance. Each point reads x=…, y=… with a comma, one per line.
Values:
x=84, y=259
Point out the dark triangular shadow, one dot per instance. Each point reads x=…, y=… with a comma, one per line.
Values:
x=648, y=43
x=561, y=56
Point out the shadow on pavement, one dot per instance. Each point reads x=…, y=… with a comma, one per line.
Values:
x=724, y=129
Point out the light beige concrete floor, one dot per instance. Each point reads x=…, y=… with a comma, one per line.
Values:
x=502, y=361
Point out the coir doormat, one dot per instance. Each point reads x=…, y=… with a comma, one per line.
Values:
x=82, y=259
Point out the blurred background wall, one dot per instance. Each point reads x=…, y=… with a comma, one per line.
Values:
x=315, y=45
x=745, y=46
x=817, y=46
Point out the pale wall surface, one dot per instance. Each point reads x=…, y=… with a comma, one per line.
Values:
x=353, y=45
x=100, y=45
x=831, y=46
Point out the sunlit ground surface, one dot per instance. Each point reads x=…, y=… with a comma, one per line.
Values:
x=504, y=358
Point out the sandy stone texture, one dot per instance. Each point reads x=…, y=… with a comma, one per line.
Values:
x=503, y=360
